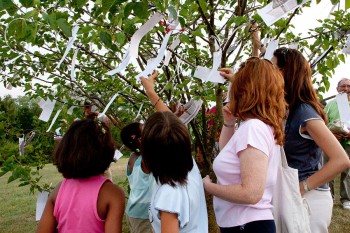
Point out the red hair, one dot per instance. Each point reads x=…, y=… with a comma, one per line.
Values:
x=257, y=92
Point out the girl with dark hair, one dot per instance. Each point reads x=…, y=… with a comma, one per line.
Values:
x=140, y=180
x=85, y=201
x=307, y=136
x=246, y=167
x=178, y=201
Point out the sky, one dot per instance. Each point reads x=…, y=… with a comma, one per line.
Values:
x=302, y=23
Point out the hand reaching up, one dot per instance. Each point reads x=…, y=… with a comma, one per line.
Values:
x=227, y=73
x=148, y=83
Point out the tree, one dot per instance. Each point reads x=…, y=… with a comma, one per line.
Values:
x=40, y=30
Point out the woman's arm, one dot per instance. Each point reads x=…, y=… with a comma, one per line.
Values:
x=228, y=128
x=148, y=84
x=338, y=159
x=47, y=221
x=169, y=222
x=254, y=164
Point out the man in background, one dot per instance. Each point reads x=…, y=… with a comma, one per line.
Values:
x=344, y=138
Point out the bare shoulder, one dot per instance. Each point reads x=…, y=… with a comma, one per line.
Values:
x=54, y=193
x=112, y=193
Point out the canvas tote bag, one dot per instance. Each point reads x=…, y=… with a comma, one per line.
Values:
x=291, y=211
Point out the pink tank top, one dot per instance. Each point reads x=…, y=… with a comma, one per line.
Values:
x=76, y=205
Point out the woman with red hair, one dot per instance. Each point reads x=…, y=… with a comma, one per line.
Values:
x=246, y=167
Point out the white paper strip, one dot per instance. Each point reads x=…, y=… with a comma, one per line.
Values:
x=72, y=72
x=122, y=65
x=294, y=45
x=117, y=154
x=70, y=110
x=57, y=131
x=47, y=107
x=141, y=32
x=21, y=145
x=168, y=53
x=138, y=113
x=54, y=120
x=270, y=15
x=211, y=75
x=271, y=47
x=40, y=204
x=29, y=140
x=9, y=86
x=343, y=107
x=69, y=45
x=101, y=115
x=155, y=62
x=277, y=3
x=133, y=50
x=346, y=48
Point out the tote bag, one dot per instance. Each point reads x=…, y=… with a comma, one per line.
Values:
x=291, y=211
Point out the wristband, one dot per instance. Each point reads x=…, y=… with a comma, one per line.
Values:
x=154, y=105
x=306, y=188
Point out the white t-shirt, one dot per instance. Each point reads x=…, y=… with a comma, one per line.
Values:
x=226, y=166
x=188, y=202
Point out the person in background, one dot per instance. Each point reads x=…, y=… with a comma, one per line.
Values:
x=178, y=201
x=333, y=115
x=307, y=136
x=85, y=201
x=246, y=167
x=140, y=180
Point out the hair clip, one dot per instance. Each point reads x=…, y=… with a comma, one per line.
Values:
x=99, y=123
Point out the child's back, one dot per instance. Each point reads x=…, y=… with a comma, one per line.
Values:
x=84, y=201
x=140, y=180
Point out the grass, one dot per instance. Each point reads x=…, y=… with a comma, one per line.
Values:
x=17, y=204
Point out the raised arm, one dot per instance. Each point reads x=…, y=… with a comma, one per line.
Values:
x=148, y=84
x=257, y=44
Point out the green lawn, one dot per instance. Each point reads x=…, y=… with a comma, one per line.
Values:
x=17, y=205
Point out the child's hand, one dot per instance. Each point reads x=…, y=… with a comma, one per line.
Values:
x=148, y=83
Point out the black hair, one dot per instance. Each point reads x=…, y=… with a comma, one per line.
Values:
x=86, y=149
x=131, y=135
x=166, y=148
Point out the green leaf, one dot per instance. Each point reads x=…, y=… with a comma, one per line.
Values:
x=27, y=3
x=203, y=5
x=79, y=3
x=52, y=20
x=347, y=4
x=106, y=39
x=65, y=27
x=128, y=8
x=107, y=4
x=12, y=9
x=18, y=28
x=5, y=4
x=182, y=22
x=22, y=27
x=141, y=10
x=120, y=38
x=342, y=57
x=173, y=12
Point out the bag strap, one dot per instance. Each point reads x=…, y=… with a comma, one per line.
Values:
x=283, y=158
